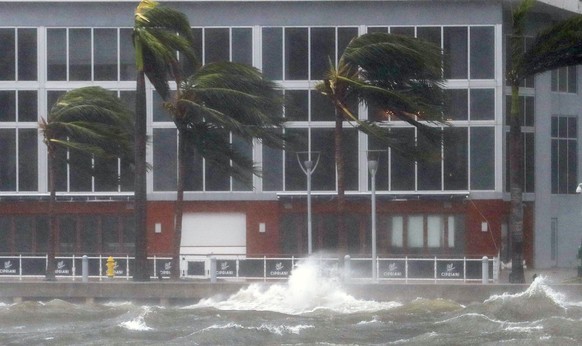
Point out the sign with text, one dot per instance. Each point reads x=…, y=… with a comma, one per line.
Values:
x=226, y=268
x=279, y=268
x=10, y=266
x=451, y=269
x=392, y=269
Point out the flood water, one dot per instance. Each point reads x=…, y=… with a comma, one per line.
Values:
x=307, y=310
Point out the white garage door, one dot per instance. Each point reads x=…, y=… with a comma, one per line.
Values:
x=214, y=233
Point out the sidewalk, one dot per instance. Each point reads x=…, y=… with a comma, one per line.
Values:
x=552, y=275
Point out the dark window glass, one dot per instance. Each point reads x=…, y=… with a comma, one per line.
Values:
x=27, y=60
x=572, y=79
x=457, y=108
x=57, y=54
x=216, y=45
x=383, y=165
x=273, y=53
x=27, y=105
x=482, y=158
x=272, y=169
x=455, y=158
x=321, y=107
x=402, y=30
x=564, y=154
x=80, y=178
x=217, y=179
x=350, y=140
x=128, y=234
x=105, y=54
x=23, y=229
x=322, y=51
x=42, y=233
x=7, y=105
x=164, y=161
x=344, y=36
x=159, y=112
x=127, y=70
x=402, y=167
x=296, y=53
x=455, y=49
x=90, y=236
x=528, y=110
x=79, y=54
x=296, y=105
x=430, y=34
x=189, y=66
x=482, y=52
x=193, y=166
x=529, y=162
x=27, y=160
x=67, y=234
x=324, y=176
x=242, y=46
x=107, y=174
x=246, y=149
x=5, y=234
x=430, y=167
x=110, y=232
x=374, y=29
x=8, y=162
x=295, y=179
x=482, y=104
x=7, y=54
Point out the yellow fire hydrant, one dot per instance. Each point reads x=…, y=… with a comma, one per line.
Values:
x=110, y=267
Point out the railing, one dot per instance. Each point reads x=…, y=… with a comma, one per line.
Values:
x=405, y=269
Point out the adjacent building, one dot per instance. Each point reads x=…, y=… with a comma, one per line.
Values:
x=452, y=207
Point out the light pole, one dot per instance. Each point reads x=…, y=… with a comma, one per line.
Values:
x=579, y=255
x=308, y=167
x=373, y=158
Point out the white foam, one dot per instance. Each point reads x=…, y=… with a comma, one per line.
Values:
x=138, y=323
x=278, y=330
x=307, y=290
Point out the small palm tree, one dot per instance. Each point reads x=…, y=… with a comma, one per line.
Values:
x=398, y=74
x=218, y=99
x=92, y=121
x=557, y=46
x=159, y=33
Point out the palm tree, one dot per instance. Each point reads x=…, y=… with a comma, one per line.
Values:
x=218, y=99
x=400, y=75
x=159, y=33
x=557, y=46
x=92, y=121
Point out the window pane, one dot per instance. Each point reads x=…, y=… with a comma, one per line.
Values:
x=455, y=49
x=563, y=166
x=455, y=158
x=415, y=232
x=457, y=108
x=7, y=105
x=245, y=148
x=572, y=172
x=295, y=179
x=482, y=55
x=216, y=177
x=8, y=162
x=27, y=160
x=434, y=225
x=529, y=110
x=529, y=162
x=554, y=80
x=110, y=231
x=397, y=231
x=429, y=34
x=79, y=54
x=451, y=232
x=296, y=105
x=5, y=234
x=563, y=79
x=164, y=161
x=242, y=46
x=572, y=79
x=127, y=69
x=402, y=167
x=555, y=168
x=67, y=235
x=27, y=105
x=344, y=36
x=90, y=242
x=105, y=54
x=57, y=54
x=128, y=234
x=322, y=51
x=24, y=227
x=430, y=169
x=194, y=167
x=296, y=53
x=216, y=45
x=272, y=169
x=350, y=140
x=322, y=140
x=482, y=104
x=80, y=179
x=7, y=54
x=402, y=30
x=27, y=66
x=106, y=179
x=321, y=107
x=273, y=53
x=482, y=158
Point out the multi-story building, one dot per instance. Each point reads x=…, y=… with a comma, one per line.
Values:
x=455, y=206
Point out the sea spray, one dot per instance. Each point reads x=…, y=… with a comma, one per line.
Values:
x=309, y=288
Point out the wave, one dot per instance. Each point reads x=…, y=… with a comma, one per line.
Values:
x=308, y=290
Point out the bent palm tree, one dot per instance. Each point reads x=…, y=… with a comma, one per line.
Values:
x=219, y=99
x=91, y=121
x=158, y=33
x=398, y=74
x=557, y=46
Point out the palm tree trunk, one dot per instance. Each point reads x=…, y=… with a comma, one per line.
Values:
x=341, y=188
x=516, y=188
x=50, y=267
x=179, y=207
x=141, y=270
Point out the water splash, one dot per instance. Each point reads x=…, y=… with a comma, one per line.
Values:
x=138, y=323
x=306, y=291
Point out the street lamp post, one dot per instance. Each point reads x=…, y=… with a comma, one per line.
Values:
x=308, y=166
x=373, y=158
x=579, y=255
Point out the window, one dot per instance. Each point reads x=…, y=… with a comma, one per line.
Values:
x=564, y=80
x=564, y=138
x=423, y=234
x=527, y=111
x=18, y=56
